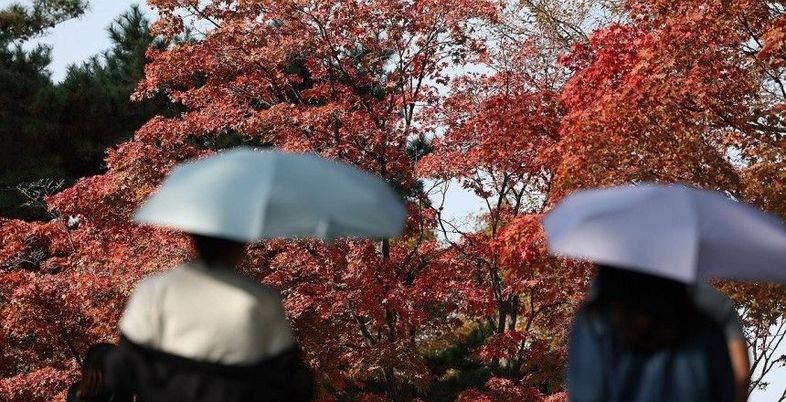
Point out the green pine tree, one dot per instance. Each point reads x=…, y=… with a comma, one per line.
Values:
x=27, y=99
x=97, y=112
x=53, y=134
x=19, y=22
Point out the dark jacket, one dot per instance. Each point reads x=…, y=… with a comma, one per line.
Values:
x=156, y=376
x=104, y=397
x=601, y=370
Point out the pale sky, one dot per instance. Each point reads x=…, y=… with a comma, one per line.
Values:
x=76, y=40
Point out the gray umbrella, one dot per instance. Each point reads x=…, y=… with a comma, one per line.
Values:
x=247, y=195
x=673, y=231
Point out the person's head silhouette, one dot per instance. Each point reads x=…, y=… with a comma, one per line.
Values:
x=215, y=251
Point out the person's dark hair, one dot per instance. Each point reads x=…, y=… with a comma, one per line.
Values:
x=92, y=382
x=214, y=250
x=646, y=312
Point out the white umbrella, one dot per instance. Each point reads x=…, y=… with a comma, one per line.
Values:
x=672, y=231
x=247, y=195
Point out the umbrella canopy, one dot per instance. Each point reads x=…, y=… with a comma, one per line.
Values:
x=247, y=195
x=673, y=231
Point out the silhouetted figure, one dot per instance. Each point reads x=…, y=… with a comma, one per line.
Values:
x=204, y=332
x=642, y=338
x=722, y=310
x=92, y=386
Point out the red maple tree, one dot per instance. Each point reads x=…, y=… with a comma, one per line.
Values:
x=659, y=90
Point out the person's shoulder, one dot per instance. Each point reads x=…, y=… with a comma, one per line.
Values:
x=581, y=316
x=712, y=300
x=162, y=279
x=267, y=301
x=246, y=283
x=264, y=294
x=592, y=319
x=144, y=300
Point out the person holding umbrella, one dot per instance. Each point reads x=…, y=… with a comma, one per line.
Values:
x=644, y=336
x=204, y=332
x=718, y=307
